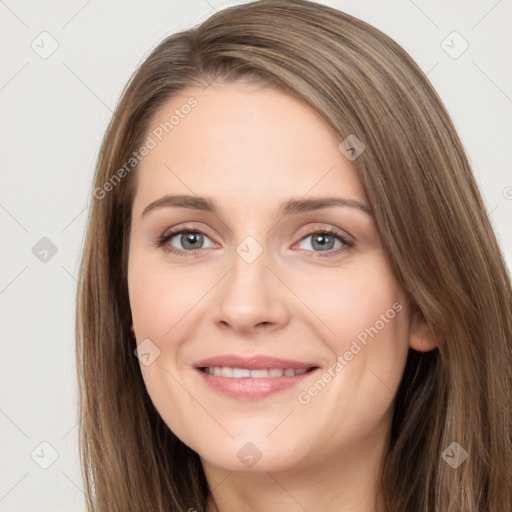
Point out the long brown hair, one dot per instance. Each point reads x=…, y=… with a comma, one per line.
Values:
x=433, y=225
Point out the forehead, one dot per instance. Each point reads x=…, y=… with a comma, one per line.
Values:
x=240, y=139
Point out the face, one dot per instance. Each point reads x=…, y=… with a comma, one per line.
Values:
x=309, y=284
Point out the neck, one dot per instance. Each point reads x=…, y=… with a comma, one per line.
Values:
x=346, y=481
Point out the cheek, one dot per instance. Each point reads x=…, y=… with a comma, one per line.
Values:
x=356, y=300
x=361, y=312
x=162, y=304
x=161, y=297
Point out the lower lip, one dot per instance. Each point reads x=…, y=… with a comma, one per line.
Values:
x=252, y=388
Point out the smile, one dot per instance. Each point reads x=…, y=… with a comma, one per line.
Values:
x=252, y=377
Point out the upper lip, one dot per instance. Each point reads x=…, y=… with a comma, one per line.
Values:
x=257, y=362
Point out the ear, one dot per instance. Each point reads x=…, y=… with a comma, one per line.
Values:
x=421, y=337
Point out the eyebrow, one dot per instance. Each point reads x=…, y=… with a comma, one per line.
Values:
x=288, y=208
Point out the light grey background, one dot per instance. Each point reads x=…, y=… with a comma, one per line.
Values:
x=54, y=113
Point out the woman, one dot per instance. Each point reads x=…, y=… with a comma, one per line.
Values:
x=291, y=297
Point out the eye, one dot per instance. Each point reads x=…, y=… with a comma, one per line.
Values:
x=325, y=241
x=190, y=240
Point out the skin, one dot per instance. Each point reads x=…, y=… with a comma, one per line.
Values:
x=250, y=148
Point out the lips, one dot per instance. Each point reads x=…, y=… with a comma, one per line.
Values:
x=253, y=377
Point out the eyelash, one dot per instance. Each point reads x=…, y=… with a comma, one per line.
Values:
x=347, y=244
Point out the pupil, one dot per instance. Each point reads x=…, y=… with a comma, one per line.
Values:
x=323, y=241
x=191, y=239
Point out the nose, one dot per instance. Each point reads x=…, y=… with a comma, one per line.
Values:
x=251, y=299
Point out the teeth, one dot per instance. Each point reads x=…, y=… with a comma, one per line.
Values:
x=239, y=373
x=225, y=371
